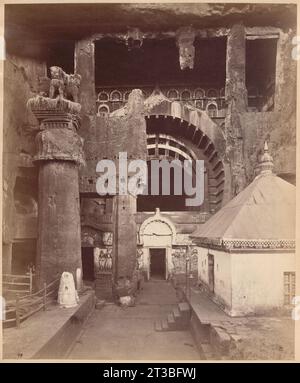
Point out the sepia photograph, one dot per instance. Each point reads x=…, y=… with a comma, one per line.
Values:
x=149, y=182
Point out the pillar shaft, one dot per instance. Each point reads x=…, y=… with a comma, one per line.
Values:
x=59, y=154
x=236, y=68
x=85, y=65
x=59, y=242
x=236, y=98
x=126, y=240
x=129, y=134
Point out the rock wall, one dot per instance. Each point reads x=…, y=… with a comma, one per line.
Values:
x=246, y=131
x=278, y=127
x=20, y=83
x=110, y=137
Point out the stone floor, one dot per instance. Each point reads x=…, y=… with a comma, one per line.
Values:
x=114, y=333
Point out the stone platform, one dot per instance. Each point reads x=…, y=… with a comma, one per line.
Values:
x=48, y=334
x=219, y=336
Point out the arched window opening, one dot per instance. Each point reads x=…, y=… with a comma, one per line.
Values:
x=212, y=109
x=103, y=96
x=212, y=93
x=103, y=110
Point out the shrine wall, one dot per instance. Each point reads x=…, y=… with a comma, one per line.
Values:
x=222, y=274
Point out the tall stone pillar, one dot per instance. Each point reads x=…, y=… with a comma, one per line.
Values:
x=129, y=131
x=126, y=245
x=59, y=152
x=85, y=65
x=236, y=98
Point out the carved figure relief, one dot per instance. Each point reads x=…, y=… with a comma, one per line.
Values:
x=179, y=260
x=108, y=238
x=139, y=259
x=102, y=259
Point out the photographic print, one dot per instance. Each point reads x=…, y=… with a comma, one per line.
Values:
x=149, y=181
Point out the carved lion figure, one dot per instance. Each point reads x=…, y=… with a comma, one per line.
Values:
x=66, y=85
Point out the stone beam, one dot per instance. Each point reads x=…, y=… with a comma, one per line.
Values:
x=201, y=33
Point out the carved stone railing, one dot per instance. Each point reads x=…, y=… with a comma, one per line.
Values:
x=206, y=98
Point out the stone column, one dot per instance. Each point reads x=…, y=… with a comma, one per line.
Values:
x=126, y=237
x=236, y=98
x=84, y=57
x=85, y=65
x=59, y=152
x=130, y=134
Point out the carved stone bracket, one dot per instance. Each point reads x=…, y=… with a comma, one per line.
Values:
x=57, y=138
x=59, y=144
x=41, y=106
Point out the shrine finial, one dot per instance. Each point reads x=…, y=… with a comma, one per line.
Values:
x=266, y=161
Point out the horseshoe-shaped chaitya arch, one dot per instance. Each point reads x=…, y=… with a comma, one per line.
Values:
x=181, y=119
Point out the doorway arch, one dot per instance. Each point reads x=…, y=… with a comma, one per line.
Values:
x=157, y=232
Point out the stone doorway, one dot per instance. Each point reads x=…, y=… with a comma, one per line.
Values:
x=157, y=263
x=87, y=256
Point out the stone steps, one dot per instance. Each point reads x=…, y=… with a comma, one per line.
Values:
x=177, y=320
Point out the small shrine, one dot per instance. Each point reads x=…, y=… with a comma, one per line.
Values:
x=247, y=249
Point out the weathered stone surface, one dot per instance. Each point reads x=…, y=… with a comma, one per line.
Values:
x=59, y=241
x=220, y=340
x=278, y=127
x=147, y=16
x=126, y=236
x=236, y=98
x=85, y=65
x=59, y=152
x=185, y=43
x=20, y=83
x=133, y=128
x=59, y=144
x=41, y=106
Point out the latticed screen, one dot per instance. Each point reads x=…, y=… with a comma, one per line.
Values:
x=289, y=287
